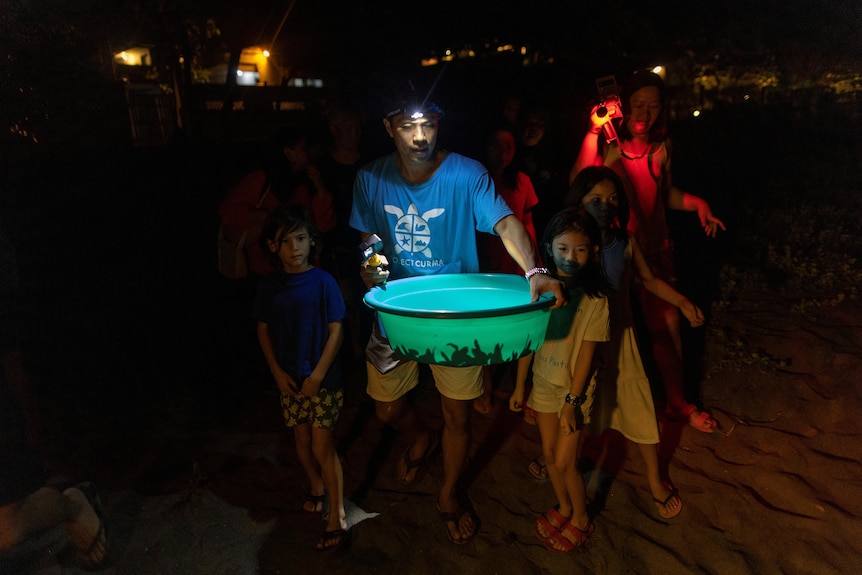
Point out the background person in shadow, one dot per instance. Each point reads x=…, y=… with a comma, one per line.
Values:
x=286, y=175
x=338, y=168
x=28, y=506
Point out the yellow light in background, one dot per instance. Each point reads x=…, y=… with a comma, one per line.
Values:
x=266, y=53
x=658, y=70
x=696, y=113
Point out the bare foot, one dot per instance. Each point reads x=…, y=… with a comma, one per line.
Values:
x=87, y=532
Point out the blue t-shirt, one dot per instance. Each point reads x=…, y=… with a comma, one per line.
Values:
x=298, y=309
x=427, y=228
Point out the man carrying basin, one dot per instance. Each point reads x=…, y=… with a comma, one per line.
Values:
x=426, y=205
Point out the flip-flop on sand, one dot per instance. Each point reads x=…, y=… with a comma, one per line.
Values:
x=455, y=517
x=420, y=464
x=662, y=505
x=538, y=469
x=315, y=503
x=333, y=540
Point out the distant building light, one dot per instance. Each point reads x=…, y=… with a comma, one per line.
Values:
x=696, y=113
x=430, y=61
x=657, y=70
x=136, y=56
x=266, y=53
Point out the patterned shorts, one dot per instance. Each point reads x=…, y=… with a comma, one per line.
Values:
x=321, y=411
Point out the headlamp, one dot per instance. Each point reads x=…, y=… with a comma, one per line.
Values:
x=416, y=111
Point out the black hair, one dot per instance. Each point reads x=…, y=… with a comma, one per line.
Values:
x=405, y=98
x=283, y=220
x=643, y=79
x=575, y=219
x=510, y=172
x=589, y=178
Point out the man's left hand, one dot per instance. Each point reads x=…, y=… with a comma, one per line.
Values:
x=542, y=283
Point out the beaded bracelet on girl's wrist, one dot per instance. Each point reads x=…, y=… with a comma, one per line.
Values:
x=575, y=400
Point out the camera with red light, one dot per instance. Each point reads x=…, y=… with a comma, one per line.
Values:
x=610, y=104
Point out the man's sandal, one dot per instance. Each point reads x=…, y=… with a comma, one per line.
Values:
x=455, y=517
x=419, y=464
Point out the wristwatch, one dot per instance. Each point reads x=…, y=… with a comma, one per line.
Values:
x=575, y=400
x=535, y=271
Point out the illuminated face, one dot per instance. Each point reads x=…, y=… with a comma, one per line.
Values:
x=293, y=249
x=415, y=138
x=501, y=150
x=645, y=109
x=571, y=251
x=602, y=203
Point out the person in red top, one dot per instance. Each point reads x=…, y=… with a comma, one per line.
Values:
x=516, y=188
x=288, y=177
x=641, y=157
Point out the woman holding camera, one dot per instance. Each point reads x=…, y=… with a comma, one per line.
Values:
x=641, y=156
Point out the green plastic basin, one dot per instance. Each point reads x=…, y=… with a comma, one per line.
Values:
x=461, y=319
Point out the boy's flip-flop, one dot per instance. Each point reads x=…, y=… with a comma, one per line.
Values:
x=333, y=540
x=317, y=504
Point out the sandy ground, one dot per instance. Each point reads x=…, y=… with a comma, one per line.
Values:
x=776, y=491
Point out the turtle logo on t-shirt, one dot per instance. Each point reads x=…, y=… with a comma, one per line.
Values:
x=412, y=232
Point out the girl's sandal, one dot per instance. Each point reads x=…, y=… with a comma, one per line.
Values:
x=544, y=523
x=559, y=543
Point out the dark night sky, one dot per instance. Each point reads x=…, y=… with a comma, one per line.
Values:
x=825, y=25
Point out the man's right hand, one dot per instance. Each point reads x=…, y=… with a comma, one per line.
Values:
x=371, y=275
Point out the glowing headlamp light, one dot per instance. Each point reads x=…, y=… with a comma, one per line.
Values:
x=415, y=112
